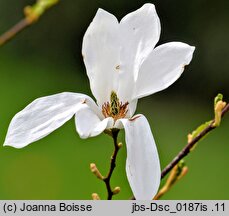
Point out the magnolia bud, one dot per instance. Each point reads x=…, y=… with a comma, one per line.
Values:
x=116, y=190
x=95, y=196
x=120, y=145
x=95, y=171
x=218, y=112
x=189, y=138
x=183, y=172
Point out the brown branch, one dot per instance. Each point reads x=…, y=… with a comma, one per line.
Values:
x=225, y=110
x=14, y=30
x=106, y=179
x=187, y=149
x=32, y=14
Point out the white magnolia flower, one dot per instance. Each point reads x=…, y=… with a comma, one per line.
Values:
x=122, y=65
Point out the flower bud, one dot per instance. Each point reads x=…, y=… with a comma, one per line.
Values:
x=120, y=145
x=95, y=196
x=116, y=190
x=218, y=112
x=95, y=171
x=189, y=138
x=183, y=172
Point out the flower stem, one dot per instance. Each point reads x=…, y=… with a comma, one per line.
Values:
x=114, y=134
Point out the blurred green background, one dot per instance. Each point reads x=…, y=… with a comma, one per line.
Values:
x=46, y=59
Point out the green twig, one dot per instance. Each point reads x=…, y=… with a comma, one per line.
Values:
x=187, y=149
x=32, y=14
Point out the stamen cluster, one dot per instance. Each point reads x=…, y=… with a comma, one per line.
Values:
x=114, y=108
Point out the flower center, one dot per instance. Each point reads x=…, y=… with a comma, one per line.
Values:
x=114, y=108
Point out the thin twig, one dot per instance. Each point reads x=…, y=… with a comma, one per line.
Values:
x=112, y=164
x=32, y=14
x=225, y=110
x=14, y=30
x=187, y=149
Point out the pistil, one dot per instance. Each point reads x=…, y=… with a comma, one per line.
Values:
x=114, y=108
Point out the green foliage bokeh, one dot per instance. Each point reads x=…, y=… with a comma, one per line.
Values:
x=46, y=59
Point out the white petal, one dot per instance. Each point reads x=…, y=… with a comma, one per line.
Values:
x=113, y=52
x=131, y=108
x=101, y=48
x=43, y=116
x=140, y=32
x=142, y=164
x=163, y=67
x=88, y=124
